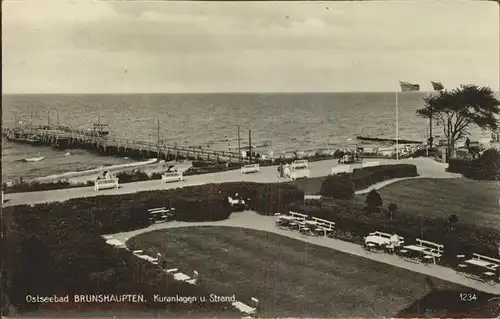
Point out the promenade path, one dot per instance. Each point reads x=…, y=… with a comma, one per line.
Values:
x=252, y=220
x=426, y=168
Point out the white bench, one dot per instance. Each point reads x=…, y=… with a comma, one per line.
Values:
x=434, y=250
x=250, y=168
x=172, y=177
x=163, y=213
x=106, y=184
x=294, y=174
x=298, y=216
x=341, y=169
x=245, y=309
x=233, y=201
x=325, y=225
x=487, y=258
x=370, y=164
x=300, y=164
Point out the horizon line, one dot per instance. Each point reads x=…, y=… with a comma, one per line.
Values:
x=235, y=92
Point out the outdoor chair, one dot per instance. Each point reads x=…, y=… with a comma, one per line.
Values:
x=305, y=230
x=427, y=259
x=194, y=280
x=370, y=246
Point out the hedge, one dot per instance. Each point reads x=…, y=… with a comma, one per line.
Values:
x=486, y=167
x=57, y=248
x=352, y=223
x=337, y=186
x=56, y=259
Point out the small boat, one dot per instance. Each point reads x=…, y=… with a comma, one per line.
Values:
x=67, y=154
x=34, y=159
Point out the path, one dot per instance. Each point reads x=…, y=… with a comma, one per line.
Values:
x=426, y=168
x=253, y=220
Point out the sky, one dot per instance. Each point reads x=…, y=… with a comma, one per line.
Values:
x=187, y=47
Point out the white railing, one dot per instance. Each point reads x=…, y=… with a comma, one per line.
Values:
x=106, y=184
x=341, y=169
x=300, y=164
x=172, y=177
x=370, y=164
x=250, y=168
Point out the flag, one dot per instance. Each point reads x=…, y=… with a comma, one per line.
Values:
x=409, y=87
x=438, y=86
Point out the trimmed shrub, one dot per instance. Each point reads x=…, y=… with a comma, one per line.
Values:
x=392, y=209
x=26, y=187
x=365, y=177
x=56, y=248
x=337, y=186
x=460, y=166
x=134, y=176
x=373, y=201
x=352, y=224
x=55, y=259
x=486, y=167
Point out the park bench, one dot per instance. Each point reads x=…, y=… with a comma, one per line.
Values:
x=377, y=239
x=245, y=309
x=300, y=164
x=117, y=243
x=370, y=164
x=250, y=168
x=325, y=226
x=341, y=169
x=159, y=215
x=298, y=216
x=172, y=177
x=430, y=251
x=294, y=174
x=193, y=280
x=480, y=267
x=106, y=184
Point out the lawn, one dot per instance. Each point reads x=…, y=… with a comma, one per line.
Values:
x=475, y=202
x=292, y=278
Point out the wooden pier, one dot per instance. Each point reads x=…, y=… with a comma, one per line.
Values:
x=97, y=140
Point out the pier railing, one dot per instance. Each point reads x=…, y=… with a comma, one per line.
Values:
x=51, y=135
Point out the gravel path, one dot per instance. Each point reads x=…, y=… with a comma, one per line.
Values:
x=253, y=220
x=426, y=168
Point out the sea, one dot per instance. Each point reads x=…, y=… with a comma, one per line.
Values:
x=281, y=122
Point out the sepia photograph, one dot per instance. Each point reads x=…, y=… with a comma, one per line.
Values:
x=204, y=159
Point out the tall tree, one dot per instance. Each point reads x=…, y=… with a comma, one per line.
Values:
x=457, y=109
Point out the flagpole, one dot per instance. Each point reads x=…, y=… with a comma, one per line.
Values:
x=397, y=126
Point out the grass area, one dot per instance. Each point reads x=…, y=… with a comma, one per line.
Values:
x=475, y=202
x=292, y=278
x=310, y=186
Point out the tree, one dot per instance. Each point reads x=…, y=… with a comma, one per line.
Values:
x=392, y=208
x=457, y=109
x=453, y=219
x=373, y=201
